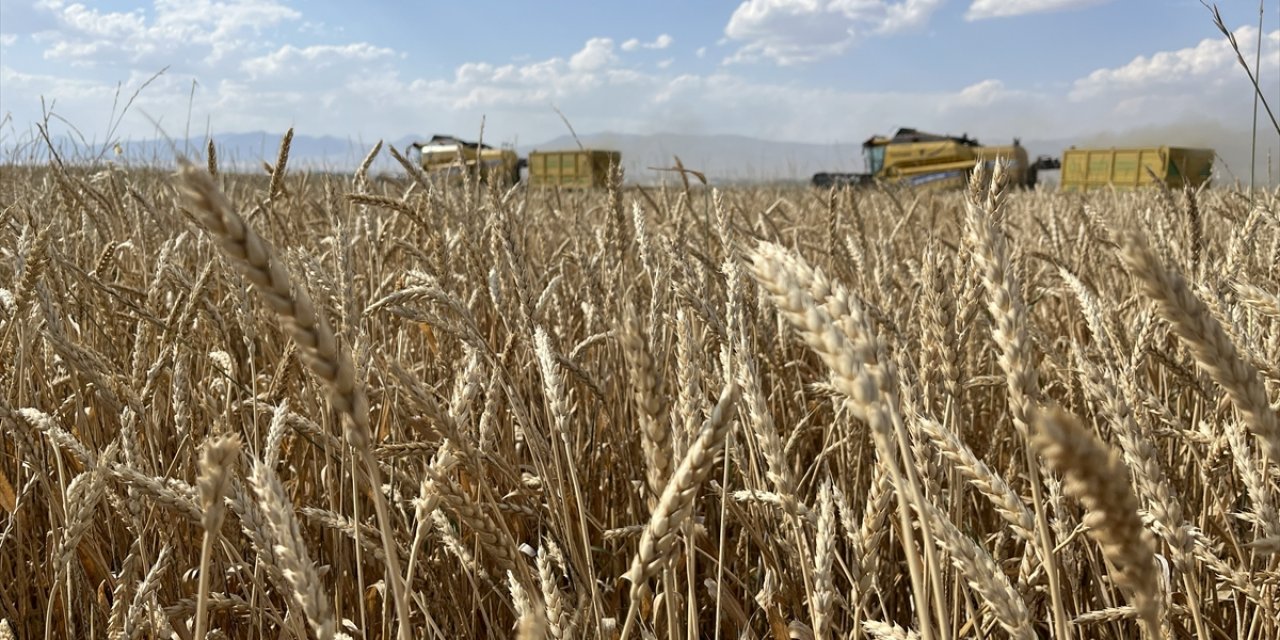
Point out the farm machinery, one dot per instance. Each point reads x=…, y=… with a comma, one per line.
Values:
x=1173, y=167
x=932, y=161
x=451, y=159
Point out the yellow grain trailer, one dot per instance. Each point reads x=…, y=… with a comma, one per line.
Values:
x=1135, y=167
x=582, y=168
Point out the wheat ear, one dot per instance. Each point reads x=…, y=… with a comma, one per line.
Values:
x=839, y=333
x=318, y=346
x=646, y=383
x=985, y=576
x=1010, y=330
x=291, y=552
x=1096, y=476
x=216, y=466
x=1214, y=352
x=824, y=550
x=888, y=631
x=1006, y=502
x=676, y=504
x=282, y=159
x=549, y=557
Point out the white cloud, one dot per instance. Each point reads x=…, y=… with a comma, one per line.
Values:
x=981, y=94
x=661, y=42
x=67, y=89
x=701, y=52
x=666, y=64
x=791, y=32
x=158, y=110
x=1189, y=74
x=657, y=100
x=88, y=37
x=597, y=53
x=983, y=9
x=289, y=60
x=901, y=16
x=8, y=39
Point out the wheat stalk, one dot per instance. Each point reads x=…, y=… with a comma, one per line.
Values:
x=838, y=332
x=1010, y=328
x=1204, y=336
x=290, y=552
x=676, y=504
x=984, y=576
x=318, y=345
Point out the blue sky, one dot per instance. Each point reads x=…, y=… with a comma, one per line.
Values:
x=801, y=70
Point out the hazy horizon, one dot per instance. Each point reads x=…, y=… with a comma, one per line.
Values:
x=812, y=72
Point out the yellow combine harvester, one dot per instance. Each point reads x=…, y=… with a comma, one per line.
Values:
x=934, y=161
x=449, y=158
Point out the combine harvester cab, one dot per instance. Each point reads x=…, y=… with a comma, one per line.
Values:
x=450, y=159
x=1174, y=167
x=930, y=161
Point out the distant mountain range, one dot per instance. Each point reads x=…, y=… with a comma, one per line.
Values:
x=723, y=158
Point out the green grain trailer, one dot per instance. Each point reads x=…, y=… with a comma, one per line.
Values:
x=1139, y=167
x=581, y=169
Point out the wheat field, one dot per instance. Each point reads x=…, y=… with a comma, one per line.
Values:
x=311, y=405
